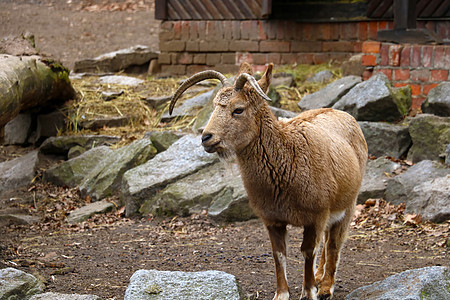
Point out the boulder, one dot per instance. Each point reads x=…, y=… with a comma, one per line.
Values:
x=430, y=136
x=17, y=130
x=16, y=284
x=83, y=213
x=321, y=77
x=106, y=176
x=376, y=100
x=286, y=80
x=399, y=188
x=376, y=178
x=72, y=172
x=282, y=113
x=186, y=156
x=353, y=66
x=18, y=172
x=7, y=219
x=330, y=94
x=153, y=284
x=162, y=140
x=425, y=283
x=110, y=121
x=156, y=102
x=385, y=139
x=438, y=100
x=59, y=296
x=18, y=45
x=120, y=80
x=431, y=199
x=117, y=60
x=48, y=125
x=189, y=107
x=215, y=188
x=61, y=145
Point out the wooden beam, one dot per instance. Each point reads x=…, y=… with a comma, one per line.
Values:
x=161, y=9
x=404, y=14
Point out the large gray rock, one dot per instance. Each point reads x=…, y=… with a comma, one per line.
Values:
x=83, y=213
x=18, y=172
x=431, y=199
x=59, y=296
x=376, y=100
x=162, y=140
x=120, y=80
x=426, y=283
x=16, y=284
x=330, y=94
x=438, y=100
x=375, y=179
x=215, y=188
x=62, y=144
x=186, y=156
x=17, y=130
x=384, y=139
x=117, y=60
x=48, y=125
x=153, y=284
x=106, y=177
x=321, y=77
x=399, y=188
x=7, y=219
x=430, y=136
x=189, y=107
x=72, y=172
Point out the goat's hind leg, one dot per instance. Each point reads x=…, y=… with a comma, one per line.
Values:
x=311, y=241
x=277, y=234
x=334, y=240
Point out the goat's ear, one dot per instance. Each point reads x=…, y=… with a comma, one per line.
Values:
x=265, y=80
x=245, y=68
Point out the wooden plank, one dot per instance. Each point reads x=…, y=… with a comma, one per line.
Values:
x=430, y=8
x=404, y=14
x=201, y=9
x=382, y=9
x=443, y=10
x=372, y=6
x=160, y=9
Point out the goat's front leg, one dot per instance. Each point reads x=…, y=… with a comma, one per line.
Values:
x=311, y=240
x=277, y=234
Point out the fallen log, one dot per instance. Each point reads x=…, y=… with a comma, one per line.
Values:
x=31, y=81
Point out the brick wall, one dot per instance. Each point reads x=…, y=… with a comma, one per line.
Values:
x=422, y=67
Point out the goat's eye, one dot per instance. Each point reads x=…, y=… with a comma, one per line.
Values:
x=238, y=111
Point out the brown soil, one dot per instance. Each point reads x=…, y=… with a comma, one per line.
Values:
x=100, y=255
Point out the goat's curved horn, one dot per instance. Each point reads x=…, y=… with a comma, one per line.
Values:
x=208, y=74
x=243, y=78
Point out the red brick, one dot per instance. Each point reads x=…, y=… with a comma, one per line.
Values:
x=308, y=32
x=274, y=46
x=213, y=59
x=401, y=74
x=438, y=75
x=274, y=58
x=320, y=58
x=249, y=29
x=383, y=25
x=228, y=58
x=184, y=58
x=357, y=47
x=334, y=27
x=244, y=57
x=236, y=30
x=262, y=33
x=177, y=30
x=299, y=46
x=348, y=31
x=289, y=58
x=192, y=46
x=270, y=29
x=289, y=30
x=227, y=69
x=371, y=47
x=420, y=75
x=192, y=69
x=369, y=60
x=373, y=28
x=439, y=57
x=199, y=59
x=259, y=58
x=325, y=31
x=185, y=25
x=305, y=58
x=415, y=88
x=367, y=74
x=415, y=56
x=387, y=72
x=400, y=84
x=211, y=33
x=193, y=31
x=427, y=56
x=281, y=29
x=363, y=31
x=164, y=58
x=243, y=45
x=447, y=58
x=427, y=87
x=340, y=46
x=174, y=69
x=417, y=102
x=227, y=30
x=394, y=55
x=172, y=46
x=201, y=30
x=405, y=56
x=384, y=54
x=217, y=46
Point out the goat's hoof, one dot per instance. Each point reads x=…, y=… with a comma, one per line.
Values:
x=325, y=296
x=281, y=296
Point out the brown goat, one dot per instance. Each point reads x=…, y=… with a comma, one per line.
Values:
x=305, y=172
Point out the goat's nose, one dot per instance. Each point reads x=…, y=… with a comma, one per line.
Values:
x=206, y=137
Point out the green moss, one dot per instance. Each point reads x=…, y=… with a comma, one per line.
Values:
x=402, y=98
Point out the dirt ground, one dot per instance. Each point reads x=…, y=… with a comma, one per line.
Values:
x=99, y=256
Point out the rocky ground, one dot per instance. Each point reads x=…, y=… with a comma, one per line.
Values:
x=100, y=255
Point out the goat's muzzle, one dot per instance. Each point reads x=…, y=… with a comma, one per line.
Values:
x=209, y=142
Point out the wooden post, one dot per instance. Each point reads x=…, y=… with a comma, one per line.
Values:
x=404, y=14
x=161, y=9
